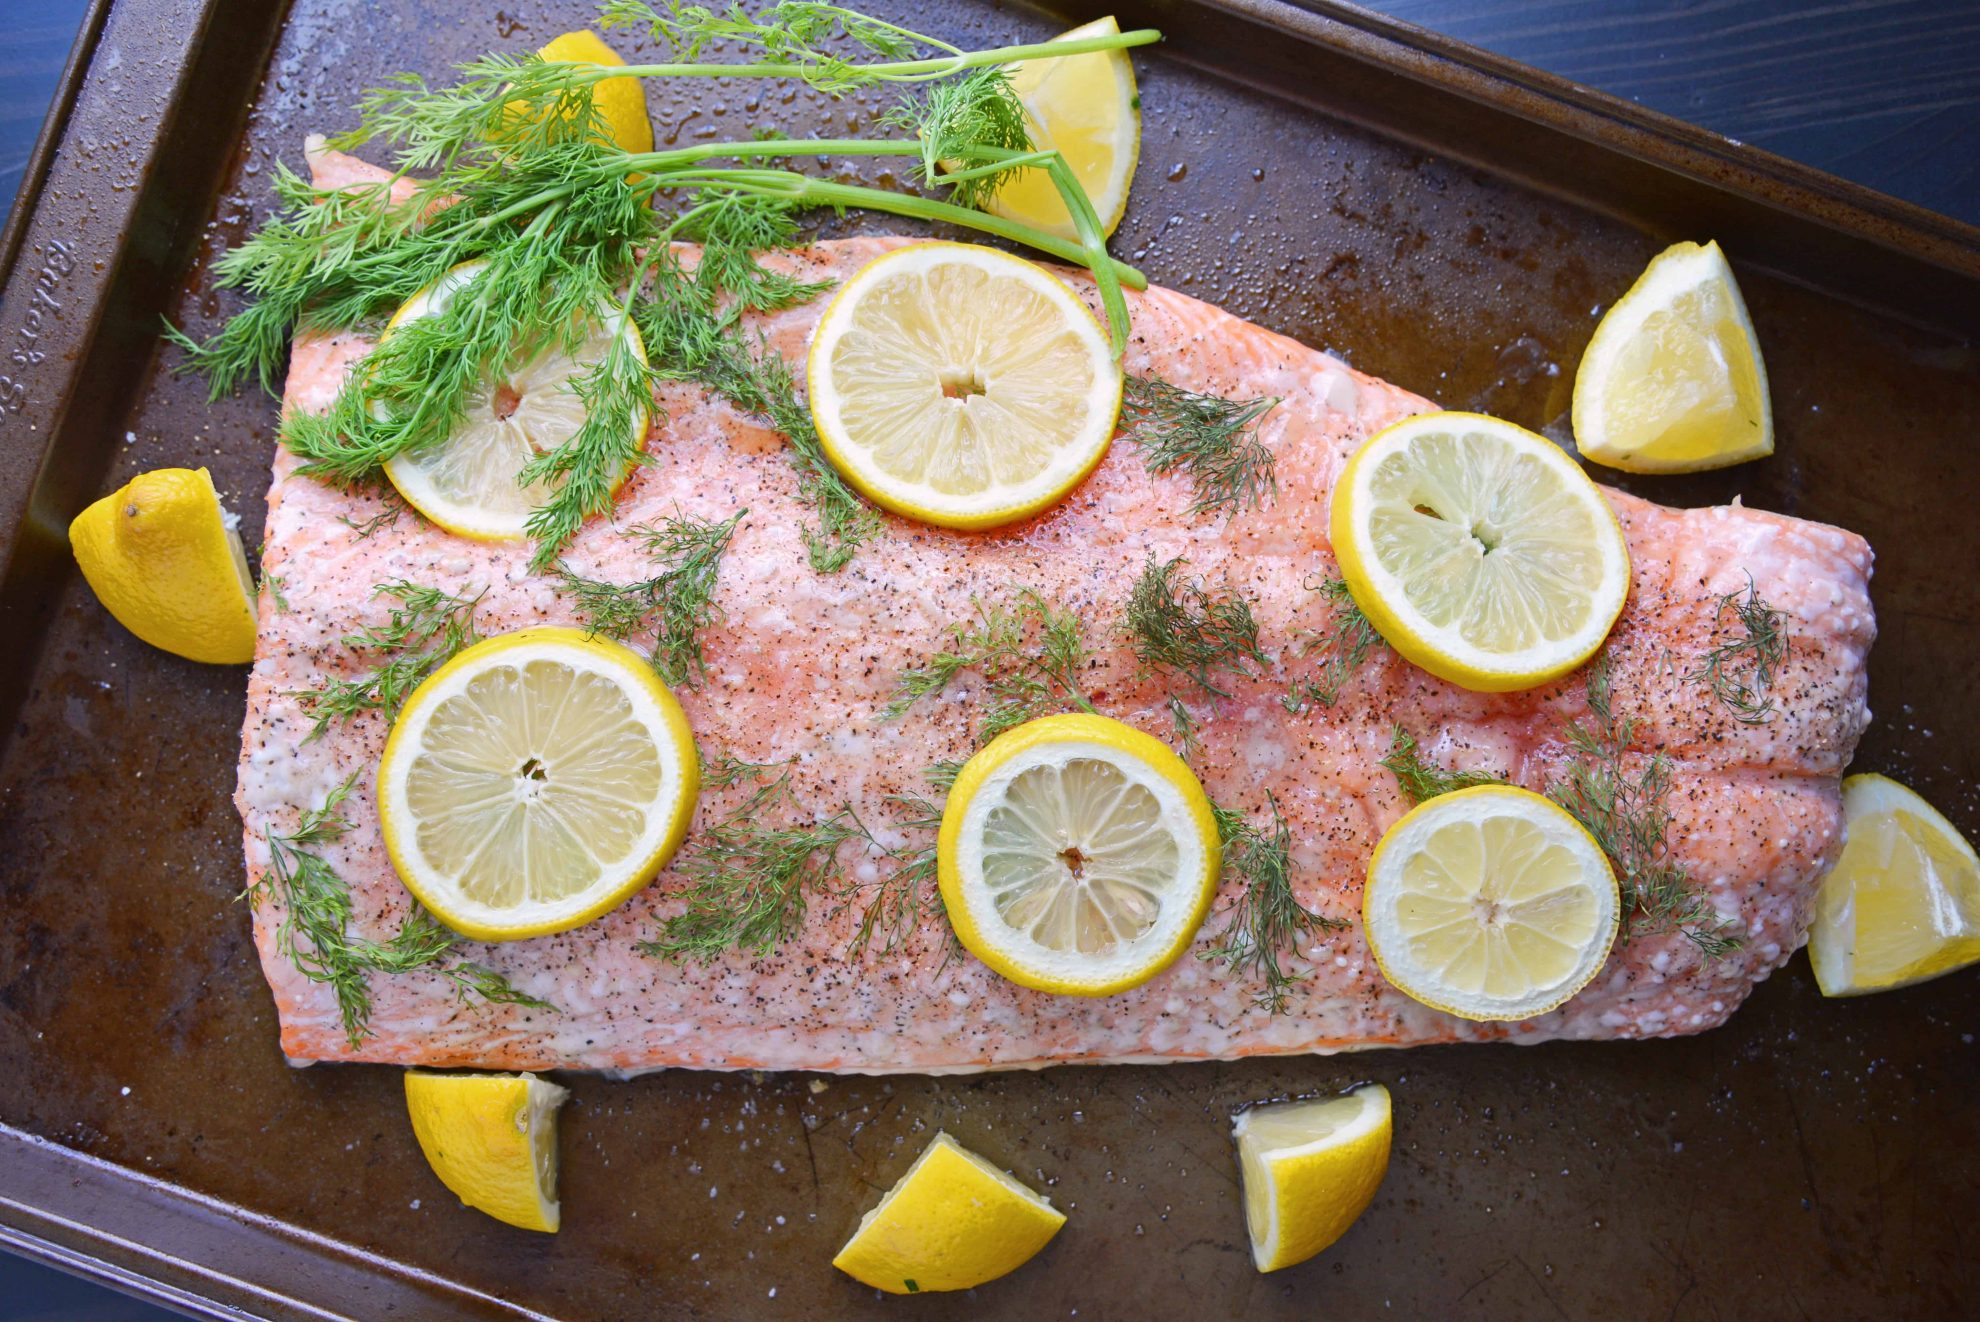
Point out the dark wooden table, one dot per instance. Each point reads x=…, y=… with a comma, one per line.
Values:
x=1882, y=92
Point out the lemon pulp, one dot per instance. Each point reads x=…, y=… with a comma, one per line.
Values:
x=469, y=483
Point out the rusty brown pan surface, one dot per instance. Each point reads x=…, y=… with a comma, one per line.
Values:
x=1438, y=217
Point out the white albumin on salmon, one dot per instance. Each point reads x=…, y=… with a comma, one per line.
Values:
x=803, y=663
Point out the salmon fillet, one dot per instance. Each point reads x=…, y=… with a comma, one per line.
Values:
x=802, y=664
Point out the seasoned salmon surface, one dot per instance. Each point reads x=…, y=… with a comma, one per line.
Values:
x=802, y=664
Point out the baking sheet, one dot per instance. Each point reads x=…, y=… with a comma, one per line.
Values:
x=1436, y=217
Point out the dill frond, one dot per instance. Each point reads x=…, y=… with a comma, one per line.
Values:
x=748, y=883
x=1186, y=725
x=1181, y=626
x=1029, y=654
x=1212, y=439
x=424, y=631
x=894, y=906
x=277, y=588
x=1761, y=648
x=1629, y=816
x=969, y=129
x=791, y=33
x=1422, y=780
x=1343, y=645
x=679, y=600
x=316, y=912
x=585, y=469
x=942, y=775
x=511, y=169
x=1267, y=920
x=760, y=382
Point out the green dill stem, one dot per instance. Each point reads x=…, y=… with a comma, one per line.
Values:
x=898, y=71
x=803, y=190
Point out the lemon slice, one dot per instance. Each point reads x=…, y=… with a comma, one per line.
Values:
x=467, y=483
x=166, y=561
x=1490, y=903
x=952, y=1222
x=620, y=102
x=492, y=1139
x=1310, y=1169
x=1088, y=108
x=535, y=782
x=1672, y=381
x=1480, y=551
x=1077, y=855
x=1902, y=903
x=962, y=386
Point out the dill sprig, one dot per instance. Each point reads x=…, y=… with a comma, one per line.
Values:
x=748, y=883
x=679, y=601
x=393, y=506
x=515, y=172
x=1180, y=625
x=422, y=632
x=316, y=912
x=760, y=382
x=1212, y=439
x=1186, y=725
x=1343, y=645
x=1629, y=816
x=1029, y=654
x=1267, y=919
x=1421, y=779
x=894, y=906
x=1761, y=649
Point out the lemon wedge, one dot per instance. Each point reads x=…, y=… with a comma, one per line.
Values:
x=962, y=386
x=1490, y=903
x=1902, y=903
x=1310, y=1169
x=467, y=483
x=952, y=1222
x=535, y=782
x=1077, y=855
x=1088, y=108
x=166, y=561
x=620, y=102
x=1478, y=550
x=1672, y=381
x=492, y=1139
